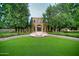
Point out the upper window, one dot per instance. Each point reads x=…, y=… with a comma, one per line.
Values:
x=34, y=21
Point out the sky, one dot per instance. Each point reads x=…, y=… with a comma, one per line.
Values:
x=37, y=9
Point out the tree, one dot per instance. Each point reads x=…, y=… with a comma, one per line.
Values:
x=75, y=13
x=21, y=14
x=16, y=16
x=60, y=16
x=1, y=16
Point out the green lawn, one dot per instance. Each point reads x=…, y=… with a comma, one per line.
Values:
x=7, y=34
x=45, y=46
x=72, y=34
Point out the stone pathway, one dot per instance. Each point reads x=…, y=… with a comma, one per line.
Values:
x=12, y=37
x=39, y=34
x=66, y=37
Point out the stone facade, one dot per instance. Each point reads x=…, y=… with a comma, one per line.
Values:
x=38, y=25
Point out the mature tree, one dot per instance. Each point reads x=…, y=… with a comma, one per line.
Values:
x=75, y=13
x=16, y=16
x=1, y=16
x=21, y=16
x=60, y=16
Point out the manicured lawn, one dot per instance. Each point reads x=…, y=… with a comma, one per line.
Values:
x=72, y=34
x=7, y=34
x=45, y=46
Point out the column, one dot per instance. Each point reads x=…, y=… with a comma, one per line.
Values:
x=35, y=28
x=42, y=28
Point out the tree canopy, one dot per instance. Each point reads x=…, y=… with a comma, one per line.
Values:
x=15, y=15
x=62, y=16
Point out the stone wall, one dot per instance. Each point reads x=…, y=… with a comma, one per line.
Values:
x=7, y=30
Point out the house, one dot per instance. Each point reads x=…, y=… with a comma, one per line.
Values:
x=38, y=24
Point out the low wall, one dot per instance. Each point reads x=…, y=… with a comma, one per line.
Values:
x=7, y=30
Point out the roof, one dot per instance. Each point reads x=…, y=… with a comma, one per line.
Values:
x=36, y=17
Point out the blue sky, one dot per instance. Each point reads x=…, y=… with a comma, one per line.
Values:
x=37, y=9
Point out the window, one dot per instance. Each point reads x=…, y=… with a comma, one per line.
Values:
x=34, y=21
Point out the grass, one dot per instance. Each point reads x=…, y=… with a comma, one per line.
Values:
x=7, y=34
x=34, y=46
x=72, y=34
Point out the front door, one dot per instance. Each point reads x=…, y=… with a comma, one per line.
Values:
x=39, y=28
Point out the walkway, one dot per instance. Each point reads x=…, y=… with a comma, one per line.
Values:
x=39, y=34
x=12, y=37
x=66, y=37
